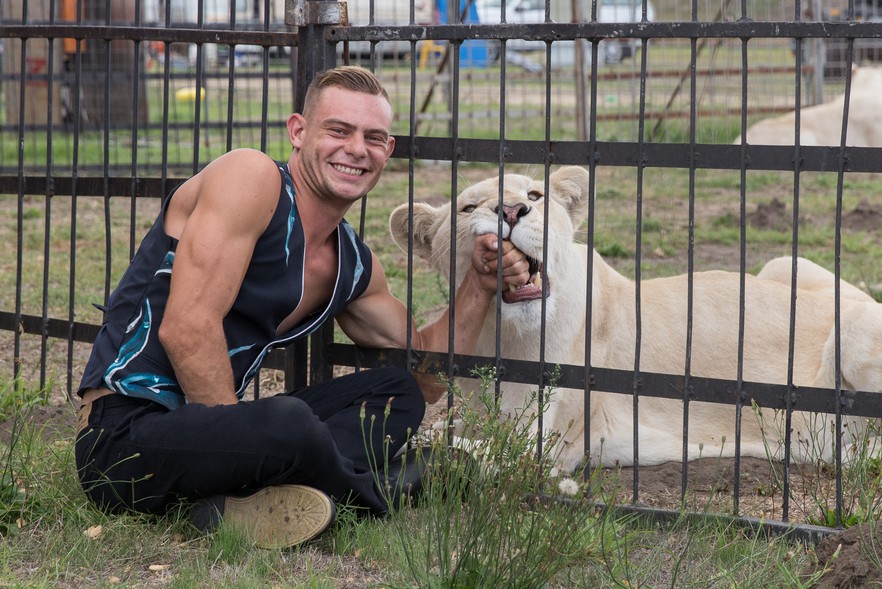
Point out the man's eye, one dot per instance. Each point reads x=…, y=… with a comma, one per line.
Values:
x=534, y=195
x=469, y=209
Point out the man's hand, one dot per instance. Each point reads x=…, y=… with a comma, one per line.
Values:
x=486, y=259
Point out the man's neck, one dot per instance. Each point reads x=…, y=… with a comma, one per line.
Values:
x=319, y=217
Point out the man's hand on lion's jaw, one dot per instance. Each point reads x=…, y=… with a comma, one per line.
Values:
x=485, y=260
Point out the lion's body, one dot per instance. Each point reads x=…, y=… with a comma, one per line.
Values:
x=663, y=334
x=821, y=124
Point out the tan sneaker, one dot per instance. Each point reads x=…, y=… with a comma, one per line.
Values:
x=274, y=517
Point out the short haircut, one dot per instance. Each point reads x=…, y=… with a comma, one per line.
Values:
x=348, y=77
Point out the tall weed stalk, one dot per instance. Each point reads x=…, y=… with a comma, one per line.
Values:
x=14, y=410
x=491, y=514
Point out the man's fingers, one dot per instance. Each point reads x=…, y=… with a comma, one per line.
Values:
x=488, y=255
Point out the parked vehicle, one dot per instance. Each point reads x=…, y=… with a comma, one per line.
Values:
x=386, y=12
x=533, y=11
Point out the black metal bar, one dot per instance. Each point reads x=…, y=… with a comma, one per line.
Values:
x=622, y=154
x=710, y=390
x=655, y=155
x=19, y=251
x=167, y=34
x=837, y=298
x=589, y=287
x=294, y=363
x=665, y=386
x=742, y=273
x=635, y=386
x=744, y=29
x=315, y=55
x=64, y=186
x=690, y=254
x=806, y=534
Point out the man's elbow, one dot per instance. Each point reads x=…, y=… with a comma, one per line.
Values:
x=433, y=389
x=177, y=339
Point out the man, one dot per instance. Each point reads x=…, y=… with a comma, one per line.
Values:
x=247, y=255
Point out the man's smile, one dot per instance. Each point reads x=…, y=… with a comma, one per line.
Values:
x=347, y=170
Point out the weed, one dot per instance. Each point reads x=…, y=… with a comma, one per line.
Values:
x=17, y=403
x=490, y=514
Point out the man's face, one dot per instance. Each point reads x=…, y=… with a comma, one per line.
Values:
x=344, y=145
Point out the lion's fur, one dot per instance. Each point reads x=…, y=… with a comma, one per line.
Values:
x=663, y=331
x=821, y=124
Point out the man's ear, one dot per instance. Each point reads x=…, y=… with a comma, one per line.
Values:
x=296, y=126
x=390, y=147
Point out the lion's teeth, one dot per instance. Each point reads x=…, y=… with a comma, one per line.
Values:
x=537, y=280
x=512, y=287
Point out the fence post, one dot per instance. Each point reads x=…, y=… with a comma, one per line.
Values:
x=314, y=54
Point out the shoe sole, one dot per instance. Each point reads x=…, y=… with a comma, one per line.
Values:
x=281, y=516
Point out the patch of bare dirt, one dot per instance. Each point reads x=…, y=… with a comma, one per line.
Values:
x=771, y=215
x=53, y=421
x=775, y=215
x=852, y=558
x=864, y=217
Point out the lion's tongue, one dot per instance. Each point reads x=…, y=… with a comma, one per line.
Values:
x=528, y=292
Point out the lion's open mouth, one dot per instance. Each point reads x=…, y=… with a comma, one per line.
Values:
x=530, y=291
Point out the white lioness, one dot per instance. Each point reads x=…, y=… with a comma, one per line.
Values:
x=821, y=124
x=663, y=337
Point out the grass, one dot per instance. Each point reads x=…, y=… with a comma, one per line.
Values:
x=490, y=536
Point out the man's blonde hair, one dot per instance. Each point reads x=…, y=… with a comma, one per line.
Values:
x=349, y=77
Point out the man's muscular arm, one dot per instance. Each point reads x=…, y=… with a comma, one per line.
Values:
x=218, y=215
x=379, y=320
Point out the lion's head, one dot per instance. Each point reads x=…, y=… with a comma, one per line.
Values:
x=522, y=219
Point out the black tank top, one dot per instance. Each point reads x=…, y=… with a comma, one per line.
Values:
x=127, y=356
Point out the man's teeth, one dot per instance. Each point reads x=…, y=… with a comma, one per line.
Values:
x=348, y=170
x=536, y=281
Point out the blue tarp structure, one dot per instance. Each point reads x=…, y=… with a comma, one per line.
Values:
x=472, y=53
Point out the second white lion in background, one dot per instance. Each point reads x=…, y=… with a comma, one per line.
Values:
x=821, y=124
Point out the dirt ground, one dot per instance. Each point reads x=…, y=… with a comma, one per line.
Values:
x=852, y=558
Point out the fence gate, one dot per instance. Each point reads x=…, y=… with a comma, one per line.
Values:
x=108, y=105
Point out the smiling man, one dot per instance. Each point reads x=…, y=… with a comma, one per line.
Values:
x=247, y=255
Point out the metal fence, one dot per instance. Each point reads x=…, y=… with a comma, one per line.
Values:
x=107, y=105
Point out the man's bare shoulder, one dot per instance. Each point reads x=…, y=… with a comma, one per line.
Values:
x=243, y=184
x=242, y=163
x=241, y=174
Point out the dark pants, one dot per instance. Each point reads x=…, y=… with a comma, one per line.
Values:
x=137, y=455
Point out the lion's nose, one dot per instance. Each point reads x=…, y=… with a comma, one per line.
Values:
x=512, y=214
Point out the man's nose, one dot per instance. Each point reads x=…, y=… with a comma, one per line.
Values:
x=356, y=145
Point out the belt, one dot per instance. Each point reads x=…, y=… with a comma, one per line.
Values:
x=92, y=395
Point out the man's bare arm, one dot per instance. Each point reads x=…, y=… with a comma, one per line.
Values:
x=221, y=213
x=379, y=320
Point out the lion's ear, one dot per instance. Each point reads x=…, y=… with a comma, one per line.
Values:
x=569, y=186
x=423, y=222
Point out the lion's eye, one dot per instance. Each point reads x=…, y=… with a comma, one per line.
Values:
x=534, y=195
x=469, y=209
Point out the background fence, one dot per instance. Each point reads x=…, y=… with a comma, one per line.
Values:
x=106, y=105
